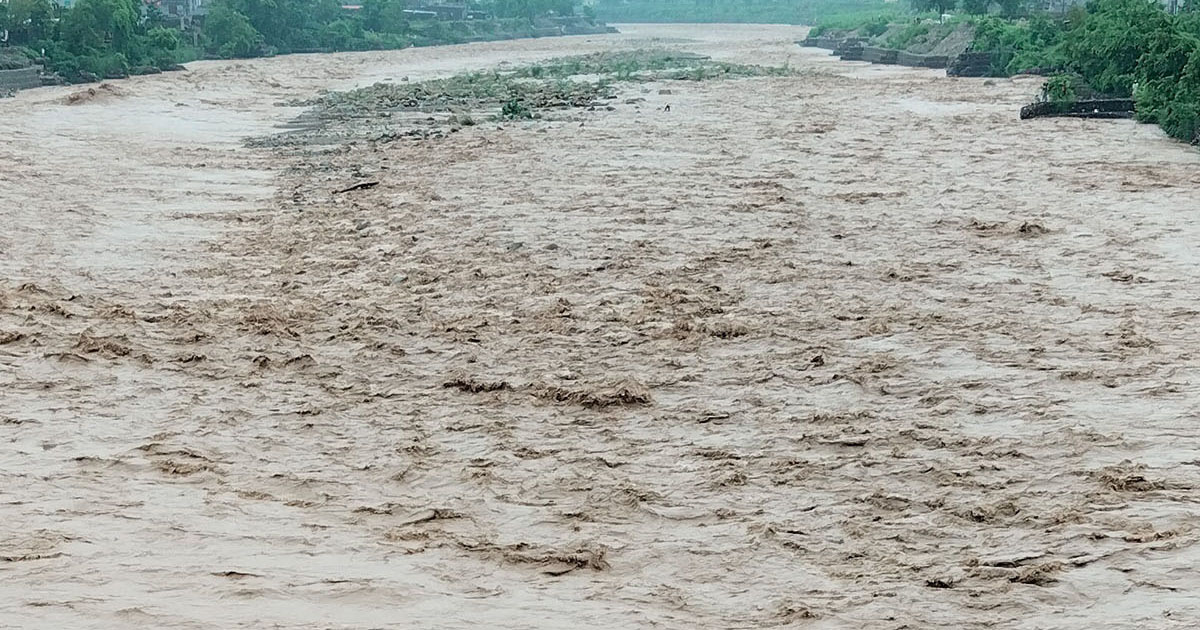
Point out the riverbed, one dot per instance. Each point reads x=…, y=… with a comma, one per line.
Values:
x=850, y=348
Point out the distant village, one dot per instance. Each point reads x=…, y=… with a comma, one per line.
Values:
x=188, y=11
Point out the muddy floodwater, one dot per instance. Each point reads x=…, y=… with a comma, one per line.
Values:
x=853, y=348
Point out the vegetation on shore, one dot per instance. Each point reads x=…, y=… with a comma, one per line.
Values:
x=1111, y=48
x=111, y=38
x=756, y=12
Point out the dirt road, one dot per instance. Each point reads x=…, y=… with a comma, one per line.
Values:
x=854, y=348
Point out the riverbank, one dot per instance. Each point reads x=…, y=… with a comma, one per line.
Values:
x=1113, y=50
x=162, y=49
x=841, y=348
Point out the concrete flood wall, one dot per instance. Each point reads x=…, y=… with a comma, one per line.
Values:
x=855, y=49
x=879, y=55
x=1095, y=108
x=850, y=52
x=922, y=61
x=970, y=64
x=20, y=79
x=821, y=42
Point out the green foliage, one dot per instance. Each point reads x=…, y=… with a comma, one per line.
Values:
x=905, y=36
x=385, y=16
x=1180, y=116
x=1017, y=46
x=1168, y=80
x=97, y=27
x=105, y=66
x=1012, y=8
x=97, y=38
x=230, y=33
x=514, y=109
x=867, y=24
x=530, y=9
x=1106, y=45
x=938, y=6
x=1061, y=88
x=27, y=20
x=287, y=25
x=875, y=27
x=976, y=7
x=159, y=47
x=1114, y=48
x=343, y=34
x=757, y=11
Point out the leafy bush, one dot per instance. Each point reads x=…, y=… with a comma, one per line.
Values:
x=910, y=32
x=1017, y=46
x=159, y=47
x=109, y=37
x=1168, y=82
x=1062, y=88
x=105, y=66
x=867, y=24
x=1106, y=45
x=230, y=33
x=515, y=110
x=976, y=7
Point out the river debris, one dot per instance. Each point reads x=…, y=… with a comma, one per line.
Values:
x=430, y=109
x=357, y=186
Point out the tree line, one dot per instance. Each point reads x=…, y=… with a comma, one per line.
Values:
x=110, y=38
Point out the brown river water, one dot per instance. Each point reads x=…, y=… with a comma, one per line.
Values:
x=854, y=348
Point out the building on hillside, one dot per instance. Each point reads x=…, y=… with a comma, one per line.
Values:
x=448, y=10
x=1062, y=6
x=186, y=11
x=420, y=14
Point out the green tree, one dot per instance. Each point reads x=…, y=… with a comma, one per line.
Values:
x=1181, y=116
x=1105, y=46
x=938, y=6
x=976, y=7
x=93, y=27
x=288, y=24
x=230, y=33
x=385, y=16
x=159, y=47
x=27, y=21
x=1012, y=8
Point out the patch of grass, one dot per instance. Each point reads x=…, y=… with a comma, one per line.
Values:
x=906, y=35
x=870, y=23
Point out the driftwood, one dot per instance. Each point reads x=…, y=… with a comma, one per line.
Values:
x=358, y=186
